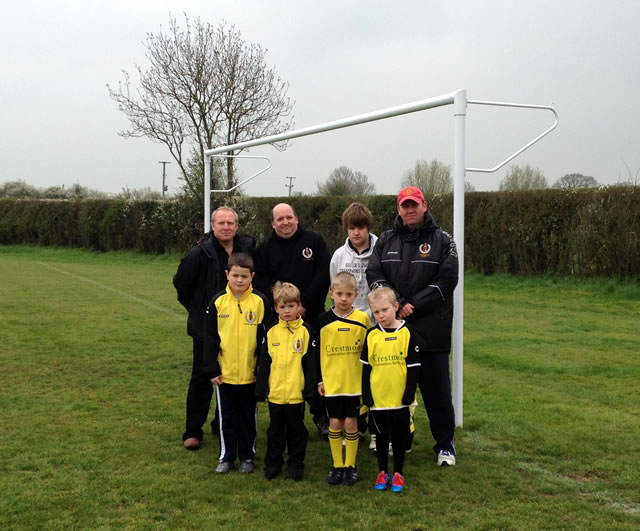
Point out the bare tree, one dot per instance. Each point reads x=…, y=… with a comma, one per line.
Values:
x=204, y=87
x=575, y=180
x=523, y=178
x=344, y=181
x=431, y=177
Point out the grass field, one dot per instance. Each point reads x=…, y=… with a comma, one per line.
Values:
x=94, y=365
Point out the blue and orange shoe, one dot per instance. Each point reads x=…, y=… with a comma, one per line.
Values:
x=397, y=483
x=382, y=481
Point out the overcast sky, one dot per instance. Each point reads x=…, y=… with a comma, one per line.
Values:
x=341, y=58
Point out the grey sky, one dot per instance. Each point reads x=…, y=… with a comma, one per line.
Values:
x=341, y=58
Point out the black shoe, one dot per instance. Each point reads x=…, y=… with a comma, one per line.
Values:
x=335, y=476
x=323, y=427
x=296, y=474
x=270, y=473
x=350, y=476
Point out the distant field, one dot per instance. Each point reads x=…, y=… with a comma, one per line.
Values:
x=94, y=362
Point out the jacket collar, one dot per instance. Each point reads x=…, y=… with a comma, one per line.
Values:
x=429, y=224
x=290, y=325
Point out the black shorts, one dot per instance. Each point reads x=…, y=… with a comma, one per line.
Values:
x=390, y=421
x=342, y=407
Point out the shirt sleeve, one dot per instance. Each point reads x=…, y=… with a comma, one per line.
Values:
x=211, y=341
x=263, y=370
x=308, y=367
x=367, y=398
x=413, y=372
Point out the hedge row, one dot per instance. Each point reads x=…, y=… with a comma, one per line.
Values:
x=583, y=232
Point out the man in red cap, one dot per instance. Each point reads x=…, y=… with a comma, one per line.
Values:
x=419, y=262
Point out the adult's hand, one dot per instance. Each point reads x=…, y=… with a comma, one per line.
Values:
x=405, y=311
x=217, y=380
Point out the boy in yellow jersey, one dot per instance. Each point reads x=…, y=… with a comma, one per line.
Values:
x=233, y=333
x=391, y=367
x=285, y=378
x=341, y=332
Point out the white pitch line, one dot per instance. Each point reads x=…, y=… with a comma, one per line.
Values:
x=155, y=307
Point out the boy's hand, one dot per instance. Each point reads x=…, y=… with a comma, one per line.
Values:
x=217, y=380
x=321, y=389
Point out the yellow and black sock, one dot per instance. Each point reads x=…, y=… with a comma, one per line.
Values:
x=335, y=443
x=351, y=450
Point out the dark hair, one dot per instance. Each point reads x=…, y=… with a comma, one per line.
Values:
x=240, y=260
x=357, y=215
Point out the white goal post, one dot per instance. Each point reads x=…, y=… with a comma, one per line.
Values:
x=459, y=101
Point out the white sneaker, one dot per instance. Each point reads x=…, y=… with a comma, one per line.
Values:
x=372, y=444
x=446, y=458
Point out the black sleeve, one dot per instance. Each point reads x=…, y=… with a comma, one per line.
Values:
x=413, y=372
x=211, y=341
x=367, y=398
x=441, y=286
x=319, y=285
x=262, y=278
x=187, y=275
x=375, y=273
x=309, y=367
x=263, y=370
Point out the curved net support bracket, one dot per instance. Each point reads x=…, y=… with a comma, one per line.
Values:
x=526, y=146
x=260, y=157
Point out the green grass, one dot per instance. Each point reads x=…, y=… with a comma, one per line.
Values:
x=95, y=362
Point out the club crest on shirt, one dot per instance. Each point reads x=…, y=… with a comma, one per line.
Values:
x=250, y=317
x=297, y=345
x=307, y=253
x=424, y=249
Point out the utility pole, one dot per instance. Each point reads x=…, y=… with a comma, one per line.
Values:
x=164, y=174
x=290, y=185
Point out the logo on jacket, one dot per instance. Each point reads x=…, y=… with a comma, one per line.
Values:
x=297, y=345
x=250, y=317
x=424, y=249
x=307, y=253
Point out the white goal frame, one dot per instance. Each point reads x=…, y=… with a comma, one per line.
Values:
x=459, y=101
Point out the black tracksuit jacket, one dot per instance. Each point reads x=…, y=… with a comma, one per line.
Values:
x=422, y=268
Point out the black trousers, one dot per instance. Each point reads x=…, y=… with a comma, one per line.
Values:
x=435, y=387
x=199, y=394
x=286, y=428
x=238, y=412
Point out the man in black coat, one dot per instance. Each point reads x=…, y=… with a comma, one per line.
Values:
x=420, y=262
x=292, y=254
x=200, y=275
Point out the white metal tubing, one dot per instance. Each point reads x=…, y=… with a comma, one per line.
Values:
x=459, y=113
x=207, y=192
x=527, y=146
x=407, y=108
x=261, y=157
x=438, y=101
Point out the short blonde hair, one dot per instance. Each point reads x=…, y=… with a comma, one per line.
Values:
x=379, y=294
x=285, y=292
x=346, y=279
x=226, y=208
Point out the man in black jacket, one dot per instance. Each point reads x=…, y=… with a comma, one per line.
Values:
x=419, y=261
x=200, y=275
x=292, y=254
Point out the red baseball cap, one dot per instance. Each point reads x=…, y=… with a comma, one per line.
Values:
x=410, y=192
